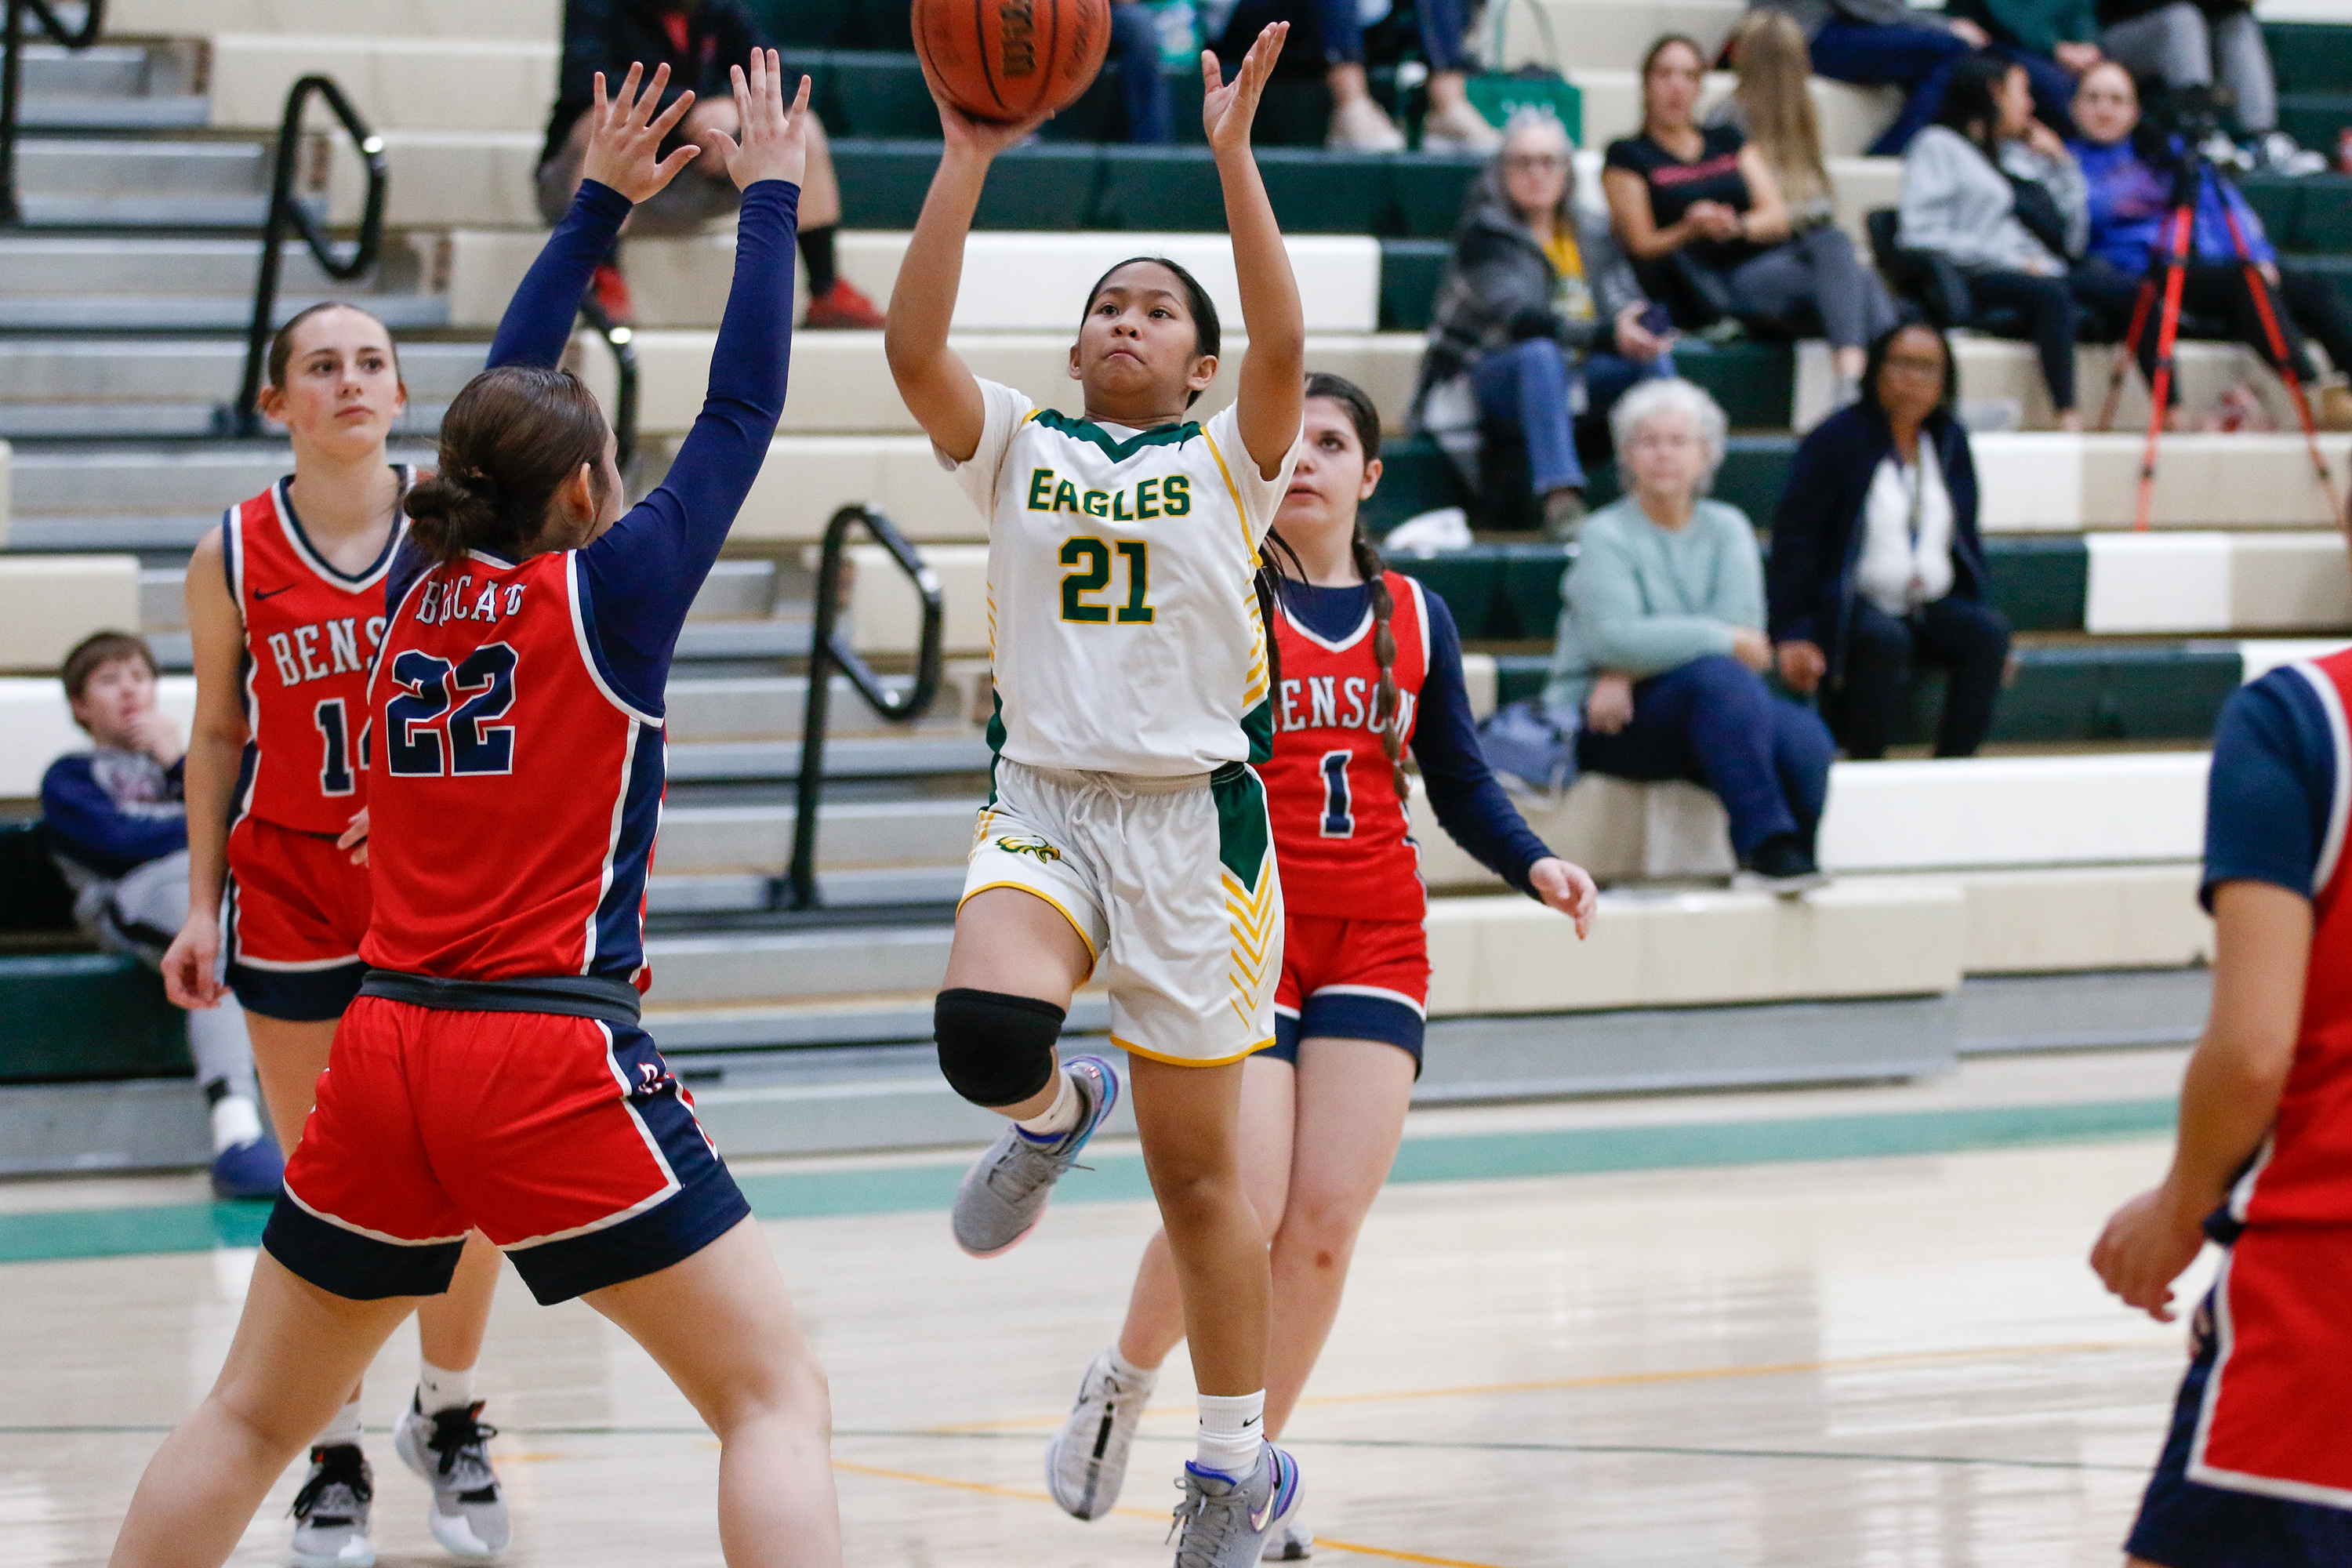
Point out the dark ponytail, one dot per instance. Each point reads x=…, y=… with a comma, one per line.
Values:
x=1387, y=701
x=509, y=441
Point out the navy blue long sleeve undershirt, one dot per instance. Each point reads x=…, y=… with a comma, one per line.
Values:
x=1470, y=804
x=642, y=574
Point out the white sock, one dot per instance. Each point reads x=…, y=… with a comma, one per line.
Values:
x=1233, y=1430
x=343, y=1430
x=439, y=1389
x=234, y=1122
x=1139, y=1379
x=1057, y=1118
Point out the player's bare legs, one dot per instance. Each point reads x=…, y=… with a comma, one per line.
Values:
x=721, y=1325
x=297, y=1349
x=1155, y=1307
x=1190, y=1117
x=1316, y=1143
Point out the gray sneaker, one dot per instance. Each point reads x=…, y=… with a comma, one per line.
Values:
x=449, y=1449
x=1226, y=1523
x=1294, y=1543
x=331, y=1511
x=1087, y=1461
x=1004, y=1195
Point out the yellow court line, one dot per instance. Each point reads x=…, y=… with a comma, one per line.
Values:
x=987, y=1490
x=1629, y=1379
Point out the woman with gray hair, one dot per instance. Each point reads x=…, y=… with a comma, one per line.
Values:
x=1662, y=649
x=1539, y=321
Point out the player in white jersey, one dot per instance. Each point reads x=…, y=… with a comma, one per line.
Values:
x=1127, y=835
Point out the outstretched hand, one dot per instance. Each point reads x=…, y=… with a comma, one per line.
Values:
x=775, y=138
x=1227, y=108
x=625, y=138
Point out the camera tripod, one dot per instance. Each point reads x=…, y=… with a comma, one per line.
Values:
x=2167, y=275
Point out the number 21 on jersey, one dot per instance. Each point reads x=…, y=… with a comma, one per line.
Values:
x=1091, y=556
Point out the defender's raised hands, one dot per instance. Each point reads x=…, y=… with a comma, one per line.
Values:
x=1227, y=108
x=775, y=138
x=624, y=142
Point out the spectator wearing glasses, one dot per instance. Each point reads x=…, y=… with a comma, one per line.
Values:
x=1538, y=325
x=1876, y=564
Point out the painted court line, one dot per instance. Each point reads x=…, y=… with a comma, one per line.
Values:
x=43, y=1235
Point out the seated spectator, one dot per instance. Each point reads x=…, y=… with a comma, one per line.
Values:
x=700, y=41
x=1451, y=125
x=1885, y=43
x=1771, y=108
x=1662, y=647
x=1967, y=184
x=2187, y=44
x=1701, y=213
x=2054, y=40
x=2131, y=170
x=1877, y=564
x=1538, y=324
x=117, y=823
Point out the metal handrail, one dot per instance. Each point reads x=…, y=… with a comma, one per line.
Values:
x=827, y=648
x=246, y=418
x=11, y=74
x=622, y=341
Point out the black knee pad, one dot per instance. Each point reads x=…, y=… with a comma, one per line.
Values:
x=995, y=1049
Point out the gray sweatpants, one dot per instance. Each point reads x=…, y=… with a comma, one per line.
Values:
x=140, y=914
x=2188, y=48
x=1819, y=265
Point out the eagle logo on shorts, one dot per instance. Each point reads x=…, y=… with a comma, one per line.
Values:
x=1046, y=854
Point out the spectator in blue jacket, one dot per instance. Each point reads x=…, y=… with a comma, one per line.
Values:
x=117, y=823
x=1876, y=564
x=1662, y=649
x=2131, y=172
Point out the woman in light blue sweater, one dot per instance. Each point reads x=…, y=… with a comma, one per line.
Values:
x=1662, y=648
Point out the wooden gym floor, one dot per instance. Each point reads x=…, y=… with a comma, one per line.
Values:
x=1549, y=1354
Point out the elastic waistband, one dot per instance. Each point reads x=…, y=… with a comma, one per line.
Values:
x=1123, y=783
x=566, y=996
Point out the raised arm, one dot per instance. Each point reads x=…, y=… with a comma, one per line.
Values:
x=644, y=572
x=1272, y=396
x=215, y=751
x=934, y=382
x=622, y=168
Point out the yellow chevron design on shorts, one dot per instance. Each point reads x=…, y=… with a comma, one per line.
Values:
x=1255, y=921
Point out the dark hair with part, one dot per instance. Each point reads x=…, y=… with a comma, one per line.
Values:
x=1207, y=335
x=1387, y=703
x=509, y=441
x=1946, y=395
x=281, y=345
x=1972, y=97
x=98, y=650
x=1666, y=41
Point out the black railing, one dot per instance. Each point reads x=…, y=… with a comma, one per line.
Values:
x=285, y=209
x=828, y=648
x=12, y=79
x=622, y=341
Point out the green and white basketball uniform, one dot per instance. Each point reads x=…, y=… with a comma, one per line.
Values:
x=1132, y=694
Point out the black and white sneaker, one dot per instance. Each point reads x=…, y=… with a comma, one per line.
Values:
x=331, y=1511
x=449, y=1449
x=1780, y=864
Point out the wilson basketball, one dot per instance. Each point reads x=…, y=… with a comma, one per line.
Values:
x=1008, y=59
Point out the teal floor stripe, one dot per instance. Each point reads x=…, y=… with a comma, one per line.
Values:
x=1120, y=1178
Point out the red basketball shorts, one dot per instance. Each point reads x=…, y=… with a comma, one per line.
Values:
x=565, y=1141
x=297, y=908
x=1351, y=979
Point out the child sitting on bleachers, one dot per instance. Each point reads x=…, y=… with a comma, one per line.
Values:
x=117, y=823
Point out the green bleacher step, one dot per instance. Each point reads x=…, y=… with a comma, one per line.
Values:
x=83, y=1016
x=2310, y=57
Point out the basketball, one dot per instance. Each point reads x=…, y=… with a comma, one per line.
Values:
x=1010, y=59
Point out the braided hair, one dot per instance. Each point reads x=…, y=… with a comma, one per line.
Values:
x=1388, y=702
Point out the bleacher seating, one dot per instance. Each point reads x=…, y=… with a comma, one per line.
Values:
x=2081, y=857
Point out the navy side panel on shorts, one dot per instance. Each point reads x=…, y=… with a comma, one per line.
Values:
x=707, y=1205
x=297, y=995
x=1346, y=1016
x=355, y=1267
x=2185, y=1524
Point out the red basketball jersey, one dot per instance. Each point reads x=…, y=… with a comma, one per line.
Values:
x=1339, y=830
x=2304, y=1177
x=310, y=633
x=516, y=794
